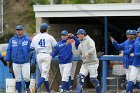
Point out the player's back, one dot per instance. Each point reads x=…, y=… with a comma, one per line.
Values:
x=43, y=42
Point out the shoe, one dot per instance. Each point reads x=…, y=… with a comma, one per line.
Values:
x=34, y=90
x=60, y=88
x=52, y=91
x=71, y=91
x=64, y=91
x=28, y=90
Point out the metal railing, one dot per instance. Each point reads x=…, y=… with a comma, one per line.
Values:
x=104, y=58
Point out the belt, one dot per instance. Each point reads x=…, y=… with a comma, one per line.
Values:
x=43, y=52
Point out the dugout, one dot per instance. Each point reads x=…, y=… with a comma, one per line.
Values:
x=99, y=20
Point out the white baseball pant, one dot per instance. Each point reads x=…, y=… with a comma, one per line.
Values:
x=44, y=61
x=91, y=69
x=23, y=69
x=135, y=74
x=127, y=72
x=65, y=70
x=73, y=68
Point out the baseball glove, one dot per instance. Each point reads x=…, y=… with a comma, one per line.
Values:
x=33, y=68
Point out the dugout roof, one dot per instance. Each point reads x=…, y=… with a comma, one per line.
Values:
x=87, y=10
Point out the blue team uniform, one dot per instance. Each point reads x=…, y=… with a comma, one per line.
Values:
x=18, y=49
x=136, y=63
x=136, y=50
x=63, y=51
x=125, y=46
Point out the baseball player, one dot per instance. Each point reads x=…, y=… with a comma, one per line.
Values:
x=18, y=52
x=43, y=44
x=135, y=70
x=64, y=52
x=125, y=46
x=90, y=62
x=75, y=54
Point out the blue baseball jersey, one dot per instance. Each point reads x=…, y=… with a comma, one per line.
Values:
x=18, y=50
x=125, y=46
x=63, y=51
x=136, y=50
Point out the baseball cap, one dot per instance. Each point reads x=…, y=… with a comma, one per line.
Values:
x=19, y=27
x=131, y=32
x=81, y=31
x=44, y=26
x=64, y=32
x=127, y=31
x=138, y=30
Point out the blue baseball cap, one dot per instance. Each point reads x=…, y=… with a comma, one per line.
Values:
x=64, y=32
x=138, y=30
x=131, y=32
x=127, y=32
x=81, y=31
x=19, y=27
x=44, y=26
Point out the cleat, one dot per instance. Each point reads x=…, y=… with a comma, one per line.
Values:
x=34, y=90
x=28, y=90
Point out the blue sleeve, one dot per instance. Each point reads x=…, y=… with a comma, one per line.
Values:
x=137, y=54
x=77, y=42
x=131, y=50
x=118, y=46
x=34, y=58
x=8, y=51
x=54, y=53
x=1, y=56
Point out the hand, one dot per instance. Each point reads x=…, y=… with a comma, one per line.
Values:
x=99, y=54
x=70, y=35
x=121, y=54
x=8, y=64
x=85, y=55
x=68, y=42
x=132, y=54
x=112, y=39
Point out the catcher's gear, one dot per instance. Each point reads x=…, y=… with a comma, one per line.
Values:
x=33, y=68
x=80, y=83
x=95, y=82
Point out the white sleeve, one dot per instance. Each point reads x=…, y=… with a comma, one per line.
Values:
x=79, y=52
x=91, y=46
x=53, y=41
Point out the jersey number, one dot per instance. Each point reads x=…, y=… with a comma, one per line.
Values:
x=42, y=43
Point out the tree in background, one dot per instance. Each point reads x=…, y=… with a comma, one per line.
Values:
x=81, y=1
x=93, y=1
